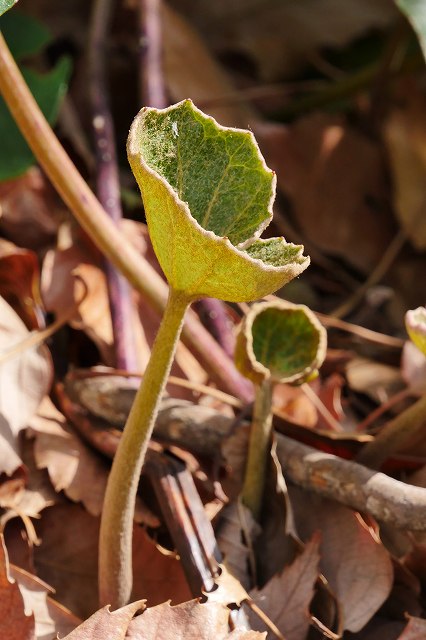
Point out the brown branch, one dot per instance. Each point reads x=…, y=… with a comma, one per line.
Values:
x=352, y=484
x=92, y=217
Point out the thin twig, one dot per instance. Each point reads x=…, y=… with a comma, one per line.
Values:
x=107, y=179
x=92, y=217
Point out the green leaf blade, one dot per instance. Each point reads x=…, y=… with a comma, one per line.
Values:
x=24, y=35
x=280, y=341
x=48, y=89
x=198, y=260
x=207, y=165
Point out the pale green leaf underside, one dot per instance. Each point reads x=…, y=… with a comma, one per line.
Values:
x=274, y=251
x=218, y=172
x=287, y=341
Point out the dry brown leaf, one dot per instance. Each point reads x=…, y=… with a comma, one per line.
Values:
x=61, y=290
x=191, y=71
x=281, y=37
x=237, y=525
x=379, y=381
x=50, y=617
x=353, y=561
x=19, y=283
x=106, y=624
x=72, y=466
x=229, y=590
x=24, y=381
x=67, y=559
x=286, y=597
x=335, y=179
x=415, y=630
x=29, y=210
x=405, y=137
x=187, y=621
x=15, y=624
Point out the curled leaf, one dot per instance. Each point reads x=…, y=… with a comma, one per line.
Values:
x=280, y=341
x=415, y=322
x=208, y=195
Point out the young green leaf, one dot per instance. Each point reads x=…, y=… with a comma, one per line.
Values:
x=5, y=5
x=415, y=322
x=281, y=342
x=208, y=195
x=48, y=89
x=24, y=35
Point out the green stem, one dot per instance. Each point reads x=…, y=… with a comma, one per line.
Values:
x=259, y=446
x=115, y=544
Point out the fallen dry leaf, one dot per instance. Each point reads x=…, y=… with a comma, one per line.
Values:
x=25, y=379
x=19, y=283
x=335, y=179
x=286, y=597
x=415, y=630
x=68, y=561
x=61, y=290
x=282, y=37
x=237, y=526
x=187, y=621
x=106, y=624
x=72, y=466
x=353, y=561
x=15, y=624
x=50, y=617
x=30, y=210
x=405, y=137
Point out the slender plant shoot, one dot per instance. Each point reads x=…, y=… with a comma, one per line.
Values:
x=208, y=195
x=277, y=342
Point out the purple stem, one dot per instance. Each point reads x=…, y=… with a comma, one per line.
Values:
x=107, y=180
x=152, y=87
x=213, y=315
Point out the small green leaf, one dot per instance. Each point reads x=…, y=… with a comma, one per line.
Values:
x=280, y=341
x=24, y=35
x=415, y=12
x=5, y=5
x=208, y=195
x=48, y=89
x=415, y=322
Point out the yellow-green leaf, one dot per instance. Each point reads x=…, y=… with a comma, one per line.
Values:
x=280, y=341
x=208, y=195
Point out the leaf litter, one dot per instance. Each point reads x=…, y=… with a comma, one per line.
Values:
x=314, y=567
